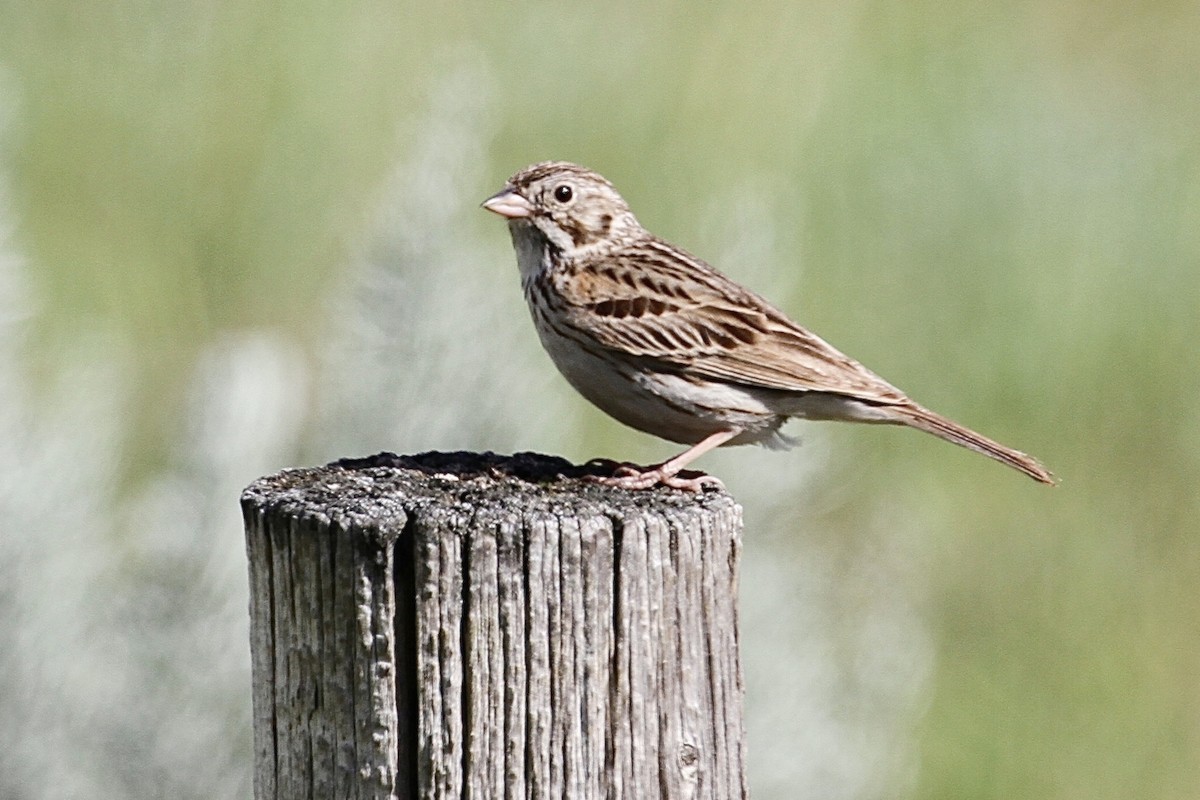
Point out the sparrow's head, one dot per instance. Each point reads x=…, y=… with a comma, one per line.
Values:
x=571, y=207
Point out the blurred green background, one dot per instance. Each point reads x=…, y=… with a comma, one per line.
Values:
x=235, y=238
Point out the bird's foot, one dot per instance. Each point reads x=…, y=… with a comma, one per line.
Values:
x=631, y=476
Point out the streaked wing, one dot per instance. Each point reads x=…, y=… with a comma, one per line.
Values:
x=651, y=300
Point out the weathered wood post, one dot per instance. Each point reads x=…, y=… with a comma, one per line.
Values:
x=456, y=625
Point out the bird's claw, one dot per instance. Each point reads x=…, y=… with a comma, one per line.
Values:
x=629, y=476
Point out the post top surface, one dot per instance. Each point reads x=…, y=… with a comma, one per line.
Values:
x=386, y=485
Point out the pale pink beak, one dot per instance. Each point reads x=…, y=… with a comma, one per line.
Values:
x=508, y=204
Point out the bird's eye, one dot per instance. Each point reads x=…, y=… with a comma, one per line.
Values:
x=563, y=193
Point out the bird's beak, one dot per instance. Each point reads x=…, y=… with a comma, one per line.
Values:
x=508, y=204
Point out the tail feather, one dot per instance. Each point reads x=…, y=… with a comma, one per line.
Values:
x=923, y=419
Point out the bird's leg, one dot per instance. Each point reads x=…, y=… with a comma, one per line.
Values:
x=667, y=473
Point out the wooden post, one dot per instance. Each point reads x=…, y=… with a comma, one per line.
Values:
x=456, y=625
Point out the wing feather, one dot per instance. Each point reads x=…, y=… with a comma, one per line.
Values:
x=651, y=300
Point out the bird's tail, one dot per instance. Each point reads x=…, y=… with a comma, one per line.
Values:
x=923, y=419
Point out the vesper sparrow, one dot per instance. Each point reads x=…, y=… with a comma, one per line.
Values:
x=666, y=344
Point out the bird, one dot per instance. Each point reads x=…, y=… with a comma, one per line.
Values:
x=665, y=343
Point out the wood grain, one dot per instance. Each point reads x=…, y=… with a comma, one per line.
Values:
x=458, y=625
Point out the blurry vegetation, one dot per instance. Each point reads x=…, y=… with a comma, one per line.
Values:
x=221, y=206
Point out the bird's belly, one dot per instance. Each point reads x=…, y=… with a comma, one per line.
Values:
x=664, y=404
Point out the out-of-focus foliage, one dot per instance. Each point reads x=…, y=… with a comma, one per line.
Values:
x=235, y=238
